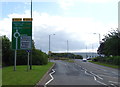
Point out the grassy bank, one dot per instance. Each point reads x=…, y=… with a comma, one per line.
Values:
x=23, y=77
x=104, y=64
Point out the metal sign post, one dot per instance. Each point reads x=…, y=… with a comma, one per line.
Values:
x=15, y=60
x=28, y=60
x=16, y=35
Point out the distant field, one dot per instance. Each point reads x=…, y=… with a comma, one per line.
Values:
x=23, y=77
x=104, y=64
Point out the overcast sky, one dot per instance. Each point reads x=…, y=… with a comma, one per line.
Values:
x=72, y=20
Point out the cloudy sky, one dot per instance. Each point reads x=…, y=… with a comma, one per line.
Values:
x=72, y=20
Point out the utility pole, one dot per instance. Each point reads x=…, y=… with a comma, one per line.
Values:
x=49, y=43
x=67, y=46
x=93, y=51
x=49, y=53
x=67, y=49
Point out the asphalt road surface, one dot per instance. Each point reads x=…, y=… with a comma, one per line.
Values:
x=81, y=74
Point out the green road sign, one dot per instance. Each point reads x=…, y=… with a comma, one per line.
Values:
x=21, y=34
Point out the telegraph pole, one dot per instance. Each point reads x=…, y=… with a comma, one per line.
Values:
x=67, y=49
x=67, y=46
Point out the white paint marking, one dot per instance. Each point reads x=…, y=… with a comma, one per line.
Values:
x=97, y=76
x=104, y=70
x=88, y=73
x=108, y=76
x=113, y=82
x=99, y=81
x=113, y=85
x=51, y=78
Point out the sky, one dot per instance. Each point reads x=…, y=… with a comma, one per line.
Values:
x=72, y=20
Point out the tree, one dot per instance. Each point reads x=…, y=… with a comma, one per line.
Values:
x=110, y=44
x=6, y=51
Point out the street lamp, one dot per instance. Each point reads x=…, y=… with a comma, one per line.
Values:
x=49, y=53
x=67, y=46
x=99, y=37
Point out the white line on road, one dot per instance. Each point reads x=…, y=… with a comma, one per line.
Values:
x=92, y=74
x=108, y=76
x=88, y=73
x=51, y=78
x=113, y=85
x=97, y=76
x=113, y=82
x=99, y=81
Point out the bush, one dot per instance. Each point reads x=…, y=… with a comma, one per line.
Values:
x=95, y=59
x=115, y=60
x=38, y=57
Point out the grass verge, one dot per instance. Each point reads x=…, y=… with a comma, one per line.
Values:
x=104, y=64
x=23, y=77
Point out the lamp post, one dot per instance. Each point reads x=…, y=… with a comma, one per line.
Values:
x=99, y=36
x=99, y=39
x=49, y=53
x=31, y=50
x=67, y=46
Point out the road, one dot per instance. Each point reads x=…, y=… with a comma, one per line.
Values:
x=82, y=74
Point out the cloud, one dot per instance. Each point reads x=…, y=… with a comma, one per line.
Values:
x=67, y=4
x=97, y=1
x=78, y=31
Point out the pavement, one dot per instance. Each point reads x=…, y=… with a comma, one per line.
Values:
x=81, y=74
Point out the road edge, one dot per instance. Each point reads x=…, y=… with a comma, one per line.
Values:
x=45, y=75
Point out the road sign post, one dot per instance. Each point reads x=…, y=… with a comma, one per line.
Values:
x=21, y=35
x=28, y=62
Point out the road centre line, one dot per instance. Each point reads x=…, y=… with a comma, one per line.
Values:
x=51, y=78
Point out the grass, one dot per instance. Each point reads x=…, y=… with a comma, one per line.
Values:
x=104, y=64
x=23, y=77
x=0, y=77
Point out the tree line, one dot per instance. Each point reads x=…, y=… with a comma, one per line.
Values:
x=38, y=57
x=66, y=55
x=109, y=49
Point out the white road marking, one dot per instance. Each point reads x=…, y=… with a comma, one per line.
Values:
x=104, y=70
x=97, y=76
x=51, y=78
x=113, y=82
x=99, y=81
x=88, y=73
x=113, y=85
x=108, y=76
